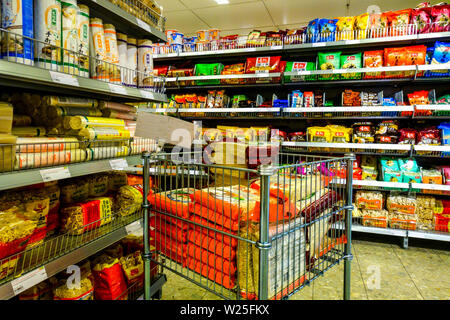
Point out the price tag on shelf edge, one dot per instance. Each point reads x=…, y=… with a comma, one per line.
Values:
x=143, y=25
x=133, y=227
x=118, y=164
x=114, y=88
x=63, y=78
x=28, y=280
x=146, y=94
x=319, y=44
x=55, y=174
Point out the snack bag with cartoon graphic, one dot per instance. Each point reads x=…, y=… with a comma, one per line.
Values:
x=378, y=25
x=345, y=28
x=421, y=18
x=351, y=61
x=399, y=21
x=327, y=29
x=395, y=57
x=441, y=18
x=312, y=31
x=373, y=59
x=329, y=61
x=362, y=25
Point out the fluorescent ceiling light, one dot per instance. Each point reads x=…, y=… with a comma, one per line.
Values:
x=222, y=1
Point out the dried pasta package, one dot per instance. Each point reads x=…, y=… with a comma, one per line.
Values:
x=362, y=25
x=401, y=204
x=74, y=190
x=84, y=292
x=345, y=28
x=370, y=200
x=399, y=22
x=81, y=217
x=375, y=218
x=402, y=221
x=373, y=59
x=117, y=179
x=133, y=267
x=175, y=202
x=132, y=243
x=329, y=61
x=129, y=199
x=109, y=281
x=36, y=207
x=425, y=212
x=98, y=185
x=115, y=251
x=41, y=291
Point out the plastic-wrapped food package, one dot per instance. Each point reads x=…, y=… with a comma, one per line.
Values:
x=369, y=168
x=313, y=30
x=363, y=132
x=74, y=190
x=407, y=136
x=84, y=292
x=129, y=199
x=399, y=21
x=373, y=59
x=329, y=61
x=98, y=185
x=441, y=18
x=362, y=26
x=390, y=170
x=432, y=176
x=351, y=61
x=327, y=29
x=374, y=218
x=422, y=19
x=402, y=221
x=401, y=204
x=371, y=200
x=425, y=212
x=345, y=28
x=378, y=24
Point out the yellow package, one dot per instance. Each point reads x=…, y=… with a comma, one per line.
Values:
x=133, y=267
x=129, y=200
x=75, y=191
x=339, y=134
x=228, y=132
x=319, y=134
x=115, y=251
x=345, y=27
x=98, y=185
x=117, y=179
x=260, y=133
x=362, y=25
x=84, y=292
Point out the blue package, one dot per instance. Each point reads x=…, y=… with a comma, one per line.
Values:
x=429, y=56
x=389, y=102
x=16, y=16
x=327, y=30
x=312, y=31
x=441, y=55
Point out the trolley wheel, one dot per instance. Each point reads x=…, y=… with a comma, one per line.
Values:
x=157, y=295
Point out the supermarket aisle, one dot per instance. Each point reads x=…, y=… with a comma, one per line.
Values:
x=415, y=273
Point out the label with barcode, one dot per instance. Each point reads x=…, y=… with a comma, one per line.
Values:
x=63, y=78
x=118, y=164
x=28, y=280
x=146, y=94
x=143, y=24
x=133, y=227
x=55, y=174
x=114, y=88
x=276, y=47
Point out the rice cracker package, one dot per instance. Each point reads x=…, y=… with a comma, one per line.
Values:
x=329, y=61
x=351, y=61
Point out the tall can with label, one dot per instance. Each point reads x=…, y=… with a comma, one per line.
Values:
x=112, y=54
x=17, y=19
x=98, y=50
x=123, y=60
x=69, y=38
x=145, y=63
x=132, y=62
x=83, y=37
x=47, y=28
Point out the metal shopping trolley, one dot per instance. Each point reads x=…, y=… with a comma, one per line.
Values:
x=240, y=233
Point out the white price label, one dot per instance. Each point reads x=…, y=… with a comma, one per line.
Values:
x=172, y=54
x=118, y=164
x=300, y=73
x=262, y=75
x=114, y=88
x=28, y=280
x=319, y=44
x=63, y=78
x=146, y=94
x=133, y=227
x=276, y=47
x=143, y=25
x=55, y=174
x=220, y=51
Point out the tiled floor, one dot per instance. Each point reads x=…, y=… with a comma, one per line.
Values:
x=379, y=271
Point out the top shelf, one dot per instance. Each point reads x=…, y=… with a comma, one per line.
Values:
x=123, y=21
x=305, y=47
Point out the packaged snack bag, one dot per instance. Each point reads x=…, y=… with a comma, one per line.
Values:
x=407, y=136
x=345, y=28
x=399, y=21
x=362, y=25
x=351, y=61
x=421, y=18
x=363, y=132
x=373, y=59
x=109, y=281
x=378, y=25
x=329, y=61
x=299, y=66
x=327, y=29
x=313, y=30
x=85, y=292
x=441, y=55
x=441, y=18
x=415, y=55
x=395, y=57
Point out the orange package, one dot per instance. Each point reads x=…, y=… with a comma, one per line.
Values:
x=415, y=55
x=228, y=240
x=240, y=202
x=395, y=57
x=216, y=218
x=175, y=202
x=135, y=179
x=398, y=22
x=172, y=250
x=214, y=247
x=174, y=221
x=378, y=24
x=205, y=257
x=218, y=277
x=167, y=229
x=373, y=59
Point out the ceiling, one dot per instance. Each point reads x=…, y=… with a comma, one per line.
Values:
x=242, y=16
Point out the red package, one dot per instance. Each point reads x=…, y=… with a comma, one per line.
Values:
x=168, y=230
x=172, y=250
x=174, y=221
x=442, y=223
x=215, y=247
x=199, y=254
x=430, y=135
x=422, y=19
x=263, y=65
x=218, y=277
x=216, y=218
x=399, y=21
x=441, y=18
x=175, y=202
x=228, y=240
x=407, y=136
x=161, y=71
x=109, y=282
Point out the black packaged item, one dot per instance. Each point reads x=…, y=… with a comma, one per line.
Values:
x=386, y=138
x=389, y=127
x=318, y=98
x=363, y=132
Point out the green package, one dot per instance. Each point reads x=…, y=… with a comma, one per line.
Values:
x=208, y=69
x=351, y=61
x=329, y=61
x=299, y=66
x=443, y=100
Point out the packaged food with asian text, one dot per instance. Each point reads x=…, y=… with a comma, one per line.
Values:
x=374, y=218
x=371, y=200
x=363, y=132
x=401, y=204
x=402, y=221
x=432, y=176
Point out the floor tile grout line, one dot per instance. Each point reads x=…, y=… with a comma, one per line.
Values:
x=415, y=285
x=360, y=272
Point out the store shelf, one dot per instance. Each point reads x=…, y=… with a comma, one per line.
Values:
x=306, y=47
x=53, y=264
x=122, y=20
x=30, y=77
x=22, y=178
x=375, y=148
